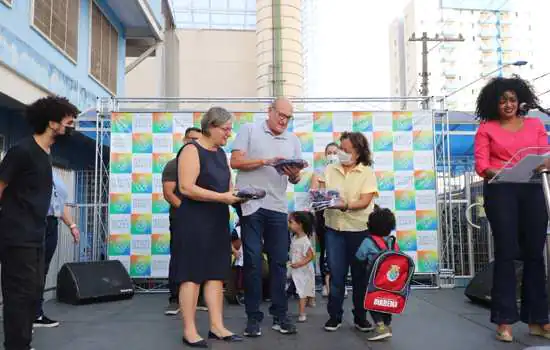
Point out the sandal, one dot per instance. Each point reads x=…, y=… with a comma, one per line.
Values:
x=539, y=331
x=504, y=336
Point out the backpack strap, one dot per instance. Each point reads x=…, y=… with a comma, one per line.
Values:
x=379, y=242
x=382, y=245
x=393, y=243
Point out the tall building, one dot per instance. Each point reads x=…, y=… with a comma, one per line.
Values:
x=496, y=34
x=239, y=48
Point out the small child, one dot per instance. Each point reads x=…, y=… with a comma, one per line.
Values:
x=237, y=268
x=302, y=271
x=381, y=223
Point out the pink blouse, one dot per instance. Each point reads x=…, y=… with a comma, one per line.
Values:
x=494, y=145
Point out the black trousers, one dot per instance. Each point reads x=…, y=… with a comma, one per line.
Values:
x=50, y=245
x=518, y=218
x=22, y=284
x=320, y=230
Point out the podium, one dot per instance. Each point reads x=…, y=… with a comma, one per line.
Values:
x=529, y=165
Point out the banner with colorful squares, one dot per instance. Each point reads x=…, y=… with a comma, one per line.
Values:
x=402, y=144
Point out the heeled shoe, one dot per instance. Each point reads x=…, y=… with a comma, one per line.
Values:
x=198, y=344
x=539, y=331
x=228, y=338
x=504, y=336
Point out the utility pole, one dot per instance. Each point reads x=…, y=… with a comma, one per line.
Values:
x=425, y=39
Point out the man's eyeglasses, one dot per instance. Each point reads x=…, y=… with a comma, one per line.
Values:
x=282, y=115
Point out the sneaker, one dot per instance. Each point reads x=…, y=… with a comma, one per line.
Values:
x=173, y=308
x=363, y=325
x=302, y=318
x=381, y=332
x=252, y=329
x=324, y=293
x=333, y=324
x=44, y=322
x=283, y=326
x=345, y=292
x=201, y=305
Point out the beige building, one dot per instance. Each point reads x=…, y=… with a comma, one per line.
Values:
x=216, y=60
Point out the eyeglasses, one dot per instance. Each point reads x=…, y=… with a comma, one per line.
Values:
x=282, y=115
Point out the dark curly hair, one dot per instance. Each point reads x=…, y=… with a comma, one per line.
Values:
x=488, y=99
x=49, y=109
x=361, y=146
x=381, y=222
x=304, y=219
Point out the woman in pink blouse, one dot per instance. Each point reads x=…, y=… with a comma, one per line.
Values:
x=516, y=212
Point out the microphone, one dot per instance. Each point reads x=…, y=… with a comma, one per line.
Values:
x=526, y=107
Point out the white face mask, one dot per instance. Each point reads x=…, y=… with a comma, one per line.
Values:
x=332, y=159
x=344, y=158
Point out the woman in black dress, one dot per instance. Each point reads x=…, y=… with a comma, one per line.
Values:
x=202, y=242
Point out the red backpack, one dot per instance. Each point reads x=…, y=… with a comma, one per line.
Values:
x=390, y=278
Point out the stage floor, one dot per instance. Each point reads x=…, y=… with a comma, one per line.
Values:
x=438, y=319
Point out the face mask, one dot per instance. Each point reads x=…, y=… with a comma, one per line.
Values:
x=332, y=159
x=344, y=158
x=69, y=130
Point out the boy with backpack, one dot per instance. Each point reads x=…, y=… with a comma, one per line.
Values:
x=389, y=272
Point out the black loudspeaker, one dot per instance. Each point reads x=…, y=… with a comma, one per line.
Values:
x=90, y=282
x=479, y=288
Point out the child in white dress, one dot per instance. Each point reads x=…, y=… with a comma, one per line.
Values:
x=301, y=225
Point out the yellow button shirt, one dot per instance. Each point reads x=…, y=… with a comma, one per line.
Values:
x=359, y=180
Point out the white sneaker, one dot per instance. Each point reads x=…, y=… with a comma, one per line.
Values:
x=345, y=292
x=302, y=318
x=324, y=292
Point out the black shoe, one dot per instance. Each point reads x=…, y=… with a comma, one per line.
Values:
x=363, y=325
x=198, y=344
x=230, y=338
x=283, y=326
x=44, y=322
x=252, y=329
x=333, y=324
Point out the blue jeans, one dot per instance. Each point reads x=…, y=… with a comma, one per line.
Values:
x=271, y=227
x=50, y=245
x=518, y=218
x=341, y=247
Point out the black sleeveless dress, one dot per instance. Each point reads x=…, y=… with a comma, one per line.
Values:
x=202, y=241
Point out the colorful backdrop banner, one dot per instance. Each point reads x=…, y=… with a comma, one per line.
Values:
x=142, y=143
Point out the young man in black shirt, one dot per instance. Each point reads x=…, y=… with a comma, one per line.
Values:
x=169, y=178
x=25, y=194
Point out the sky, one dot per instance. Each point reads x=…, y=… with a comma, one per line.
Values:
x=355, y=33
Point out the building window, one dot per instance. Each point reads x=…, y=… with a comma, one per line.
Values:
x=58, y=21
x=104, y=50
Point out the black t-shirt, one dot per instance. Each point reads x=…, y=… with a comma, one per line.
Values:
x=170, y=174
x=27, y=172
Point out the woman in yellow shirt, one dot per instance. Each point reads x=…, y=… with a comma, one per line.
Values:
x=346, y=225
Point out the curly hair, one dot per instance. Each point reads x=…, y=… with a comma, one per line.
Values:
x=381, y=222
x=361, y=146
x=488, y=99
x=49, y=109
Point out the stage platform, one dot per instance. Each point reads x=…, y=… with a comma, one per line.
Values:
x=436, y=319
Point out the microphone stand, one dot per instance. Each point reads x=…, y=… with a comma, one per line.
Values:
x=544, y=174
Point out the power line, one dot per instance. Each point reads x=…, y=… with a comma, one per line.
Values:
x=424, y=91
